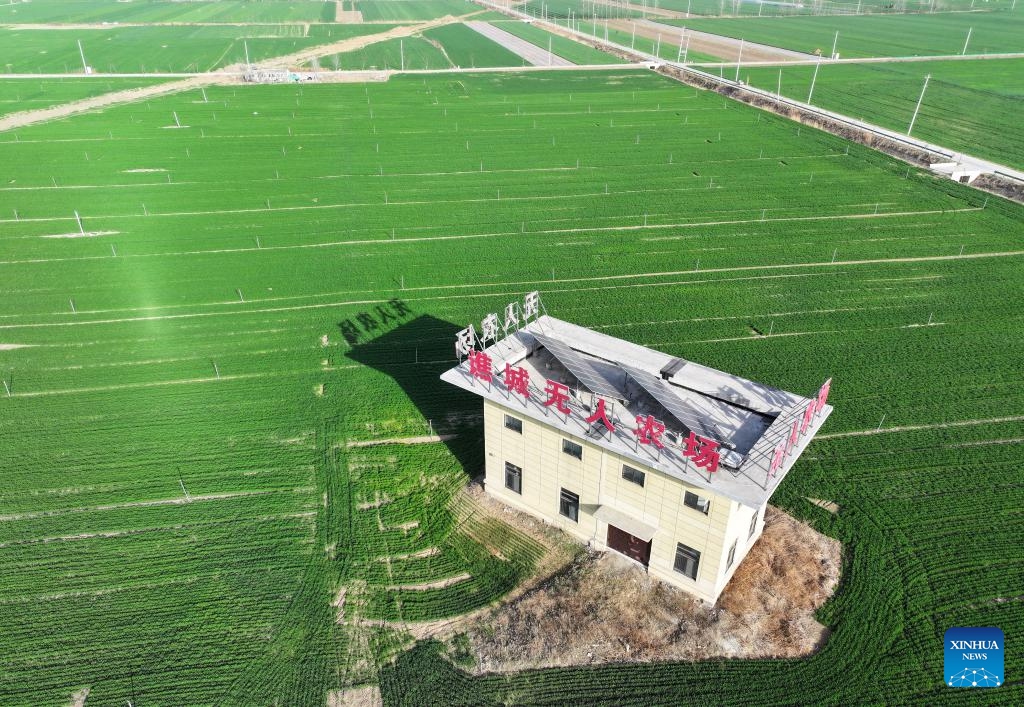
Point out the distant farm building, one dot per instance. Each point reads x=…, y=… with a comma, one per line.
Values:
x=666, y=461
x=257, y=75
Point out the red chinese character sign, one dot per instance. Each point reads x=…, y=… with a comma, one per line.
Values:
x=480, y=366
x=600, y=413
x=517, y=380
x=777, y=458
x=703, y=451
x=558, y=395
x=649, y=430
x=812, y=408
x=794, y=435
x=823, y=394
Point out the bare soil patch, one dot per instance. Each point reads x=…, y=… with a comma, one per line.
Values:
x=439, y=584
x=368, y=696
x=78, y=698
x=602, y=608
x=339, y=603
x=350, y=17
x=830, y=506
x=560, y=550
x=725, y=48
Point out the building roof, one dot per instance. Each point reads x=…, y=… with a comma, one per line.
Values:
x=748, y=420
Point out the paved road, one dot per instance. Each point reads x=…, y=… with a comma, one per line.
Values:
x=527, y=50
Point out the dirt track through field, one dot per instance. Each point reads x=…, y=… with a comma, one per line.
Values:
x=933, y=426
x=223, y=76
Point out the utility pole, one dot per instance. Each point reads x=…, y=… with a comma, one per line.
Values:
x=85, y=67
x=739, y=56
x=918, y=107
x=965, y=41
x=401, y=50
x=834, y=43
x=813, y=79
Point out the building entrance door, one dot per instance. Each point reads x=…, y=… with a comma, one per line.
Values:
x=629, y=545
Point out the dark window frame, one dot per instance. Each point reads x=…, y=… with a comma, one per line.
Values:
x=628, y=473
x=691, y=561
x=569, y=505
x=516, y=426
x=706, y=510
x=732, y=555
x=753, y=525
x=570, y=444
x=514, y=472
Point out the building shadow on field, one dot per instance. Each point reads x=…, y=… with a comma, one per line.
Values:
x=414, y=354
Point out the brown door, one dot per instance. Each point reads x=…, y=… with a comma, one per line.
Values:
x=629, y=545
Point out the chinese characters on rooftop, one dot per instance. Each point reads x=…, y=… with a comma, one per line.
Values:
x=702, y=451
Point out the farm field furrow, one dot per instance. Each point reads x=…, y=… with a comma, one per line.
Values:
x=186, y=361
x=886, y=95
x=937, y=34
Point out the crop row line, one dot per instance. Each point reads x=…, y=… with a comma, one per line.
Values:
x=505, y=234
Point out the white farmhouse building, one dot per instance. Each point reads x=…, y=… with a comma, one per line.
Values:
x=666, y=461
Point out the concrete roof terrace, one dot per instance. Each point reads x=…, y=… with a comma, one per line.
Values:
x=749, y=420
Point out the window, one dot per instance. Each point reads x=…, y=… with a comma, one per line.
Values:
x=572, y=449
x=687, y=560
x=634, y=475
x=569, y=506
x=514, y=424
x=732, y=555
x=753, y=525
x=697, y=502
x=513, y=478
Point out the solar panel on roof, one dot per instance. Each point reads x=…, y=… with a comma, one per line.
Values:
x=683, y=411
x=591, y=378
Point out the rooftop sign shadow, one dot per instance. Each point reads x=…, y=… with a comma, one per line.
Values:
x=414, y=353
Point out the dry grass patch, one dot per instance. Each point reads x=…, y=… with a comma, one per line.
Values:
x=367, y=696
x=830, y=506
x=602, y=608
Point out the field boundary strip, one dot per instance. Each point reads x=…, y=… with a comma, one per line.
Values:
x=381, y=300
x=914, y=428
